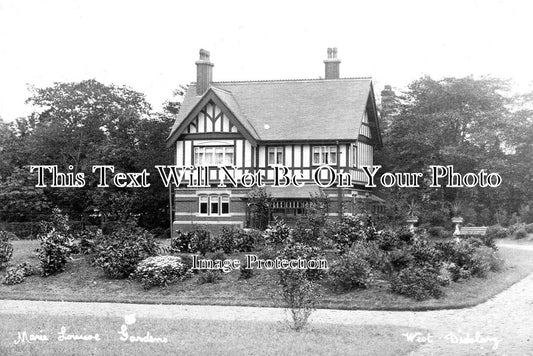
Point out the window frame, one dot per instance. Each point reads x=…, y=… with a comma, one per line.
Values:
x=276, y=150
x=222, y=202
x=212, y=151
x=324, y=155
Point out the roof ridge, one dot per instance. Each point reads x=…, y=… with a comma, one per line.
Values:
x=285, y=80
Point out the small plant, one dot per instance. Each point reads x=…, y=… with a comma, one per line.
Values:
x=226, y=240
x=529, y=228
x=209, y=276
x=278, y=233
x=6, y=248
x=160, y=271
x=201, y=241
x=181, y=242
x=351, y=271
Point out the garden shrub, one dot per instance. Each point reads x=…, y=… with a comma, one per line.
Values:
x=497, y=232
x=6, y=248
x=17, y=274
x=398, y=259
x=209, y=276
x=298, y=250
x=350, y=230
x=54, y=251
x=278, y=233
x=419, y=282
x=388, y=241
x=227, y=239
x=529, y=228
x=201, y=241
x=88, y=239
x=160, y=233
x=119, y=253
x=515, y=227
x=485, y=259
x=160, y=271
x=181, y=242
x=248, y=239
x=438, y=232
x=422, y=252
x=298, y=295
x=351, y=271
x=520, y=234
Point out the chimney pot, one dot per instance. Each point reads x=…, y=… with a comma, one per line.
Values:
x=204, y=72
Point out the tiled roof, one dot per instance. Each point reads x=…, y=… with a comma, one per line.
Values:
x=292, y=109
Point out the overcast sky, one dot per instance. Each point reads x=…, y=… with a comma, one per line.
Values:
x=151, y=46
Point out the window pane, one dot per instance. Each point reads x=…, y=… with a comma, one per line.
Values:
x=228, y=157
x=332, y=155
x=219, y=155
x=271, y=157
x=279, y=158
x=203, y=205
x=225, y=204
x=214, y=204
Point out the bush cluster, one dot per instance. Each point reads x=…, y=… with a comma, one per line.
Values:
x=497, y=232
x=119, y=253
x=351, y=271
x=6, y=248
x=278, y=233
x=529, y=228
x=17, y=274
x=54, y=251
x=418, y=282
x=160, y=271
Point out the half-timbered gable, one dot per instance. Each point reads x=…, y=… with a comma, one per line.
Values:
x=257, y=125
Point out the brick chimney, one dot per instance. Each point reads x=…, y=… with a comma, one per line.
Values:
x=204, y=72
x=332, y=64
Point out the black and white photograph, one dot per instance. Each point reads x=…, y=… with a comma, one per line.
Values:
x=266, y=178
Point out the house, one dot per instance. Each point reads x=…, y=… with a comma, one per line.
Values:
x=256, y=125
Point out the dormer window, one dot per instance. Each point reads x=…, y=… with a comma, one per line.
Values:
x=324, y=155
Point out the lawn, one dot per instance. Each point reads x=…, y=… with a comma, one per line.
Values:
x=197, y=337
x=81, y=282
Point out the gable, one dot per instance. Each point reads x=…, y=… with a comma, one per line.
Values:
x=211, y=119
x=210, y=114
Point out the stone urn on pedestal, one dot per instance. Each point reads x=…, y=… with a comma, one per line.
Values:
x=411, y=220
x=457, y=221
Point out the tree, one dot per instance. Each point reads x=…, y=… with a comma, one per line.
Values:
x=467, y=123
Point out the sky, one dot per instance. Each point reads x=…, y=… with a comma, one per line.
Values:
x=151, y=46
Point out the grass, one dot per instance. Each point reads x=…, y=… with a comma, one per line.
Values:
x=81, y=282
x=217, y=337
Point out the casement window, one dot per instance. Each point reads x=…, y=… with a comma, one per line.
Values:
x=275, y=155
x=324, y=155
x=214, y=156
x=213, y=205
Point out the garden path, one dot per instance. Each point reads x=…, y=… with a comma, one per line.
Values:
x=504, y=323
